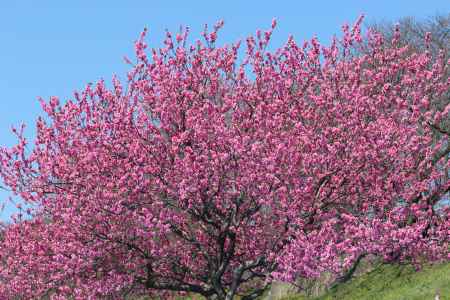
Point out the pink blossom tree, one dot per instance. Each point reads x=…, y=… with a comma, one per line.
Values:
x=211, y=174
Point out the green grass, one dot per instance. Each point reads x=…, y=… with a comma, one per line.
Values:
x=393, y=282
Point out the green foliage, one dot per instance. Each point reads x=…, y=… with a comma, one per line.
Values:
x=393, y=282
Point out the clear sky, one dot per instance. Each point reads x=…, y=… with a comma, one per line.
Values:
x=55, y=47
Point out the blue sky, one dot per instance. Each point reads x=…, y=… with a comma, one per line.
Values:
x=55, y=47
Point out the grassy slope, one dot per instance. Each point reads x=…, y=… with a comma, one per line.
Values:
x=388, y=282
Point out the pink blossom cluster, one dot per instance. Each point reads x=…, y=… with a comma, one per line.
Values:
x=214, y=171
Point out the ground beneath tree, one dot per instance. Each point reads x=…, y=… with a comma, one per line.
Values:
x=392, y=282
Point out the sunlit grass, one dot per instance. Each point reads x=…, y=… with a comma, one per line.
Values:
x=393, y=282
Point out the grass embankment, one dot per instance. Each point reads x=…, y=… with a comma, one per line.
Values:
x=392, y=282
